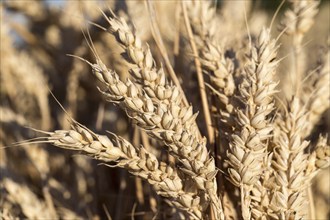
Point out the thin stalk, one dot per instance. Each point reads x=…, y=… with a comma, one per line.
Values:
x=200, y=77
x=160, y=44
x=138, y=182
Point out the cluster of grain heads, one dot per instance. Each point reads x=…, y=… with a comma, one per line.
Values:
x=157, y=107
x=267, y=151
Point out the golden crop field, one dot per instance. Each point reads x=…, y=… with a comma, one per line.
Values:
x=191, y=109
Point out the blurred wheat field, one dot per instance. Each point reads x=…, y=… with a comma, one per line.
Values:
x=165, y=109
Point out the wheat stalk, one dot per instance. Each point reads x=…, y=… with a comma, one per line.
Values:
x=248, y=147
x=200, y=77
x=214, y=63
x=289, y=164
x=138, y=161
x=296, y=22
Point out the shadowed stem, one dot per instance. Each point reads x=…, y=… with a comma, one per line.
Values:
x=201, y=84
